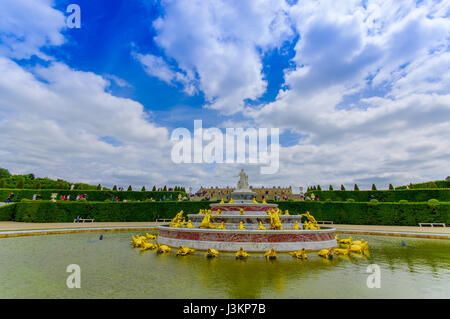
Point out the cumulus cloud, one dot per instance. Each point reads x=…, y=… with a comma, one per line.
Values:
x=367, y=93
x=26, y=26
x=218, y=45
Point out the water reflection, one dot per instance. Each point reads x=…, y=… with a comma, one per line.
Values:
x=34, y=267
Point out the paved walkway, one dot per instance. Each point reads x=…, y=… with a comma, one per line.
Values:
x=409, y=229
x=8, y=226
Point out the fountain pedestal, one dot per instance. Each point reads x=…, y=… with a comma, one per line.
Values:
x=251, y=239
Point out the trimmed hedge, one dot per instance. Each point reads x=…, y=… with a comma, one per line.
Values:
x=401, y=214
x=434, y=184
x=93, y=195
x=63, y=211
x=7, y=212
x=411, y=195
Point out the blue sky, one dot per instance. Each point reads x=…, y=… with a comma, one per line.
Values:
x=111, y=31
x=359, y=89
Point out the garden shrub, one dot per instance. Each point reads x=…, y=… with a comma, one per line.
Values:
x=411, y=195
x=409, y=214
x=433, y=203
x=93, y=195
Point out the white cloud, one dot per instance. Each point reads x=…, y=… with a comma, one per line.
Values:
x=26, y=26
x=216, y=43
x=390, y=57
x=157, y=67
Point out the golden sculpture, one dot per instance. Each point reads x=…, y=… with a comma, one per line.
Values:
x=218, y=212
x=148, y=246
x=255, y=201
x=241, y=211
x=206, y=222
x=176, y=221
x=221, y=201
x=137, y=241
x=162, y=249
x=231, y=201
x=189, y=224
x=241, y=254
x=241, y=225
x=211, y=253
x=297, y=226
x=347, y=241
x=151, y=237
x=299, y=254
x=326, y=253
x=275, y=222
x=340, y=251
x=271, y=254
x=183, y=251
x=286, y=212
x=359, y=248
x=261, y=227
x=311, y=223
x=221, y=226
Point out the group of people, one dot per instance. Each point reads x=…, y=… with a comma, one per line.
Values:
x=81, y=196
x=37, y=196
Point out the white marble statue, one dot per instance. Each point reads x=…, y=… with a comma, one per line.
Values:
x=243, y=180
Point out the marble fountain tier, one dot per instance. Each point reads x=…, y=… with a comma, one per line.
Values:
x=243, y=208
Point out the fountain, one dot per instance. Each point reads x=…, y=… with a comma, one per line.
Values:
x=245, y=223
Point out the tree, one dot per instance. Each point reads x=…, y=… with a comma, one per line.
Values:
x=99, y=187
x=331, y=188
x=356, y=188
x=38, y=185
x=433, y=185
x=129, y=188
x=115, y=188
x=342, y=188
x=154, y=188
x=21, y=183
x=143, y=189
x=391, y=187
x=60, y=186
x=165, y=188
x=374, y=188
x=2, y=183
x=4, y=173
x=319, y=188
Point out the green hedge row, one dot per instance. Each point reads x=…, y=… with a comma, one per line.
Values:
x=93, y=195
x=435, y=184
x=411, y=195
x=62, y=211
x=405, y=214
x=7, y=212
x=401, y=214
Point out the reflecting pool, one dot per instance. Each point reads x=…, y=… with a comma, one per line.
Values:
x=35, y=267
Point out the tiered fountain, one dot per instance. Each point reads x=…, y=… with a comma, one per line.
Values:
x=265, y=228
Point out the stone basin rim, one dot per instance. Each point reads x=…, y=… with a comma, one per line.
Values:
x=253, y=231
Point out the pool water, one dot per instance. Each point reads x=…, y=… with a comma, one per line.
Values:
x=35, y=267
